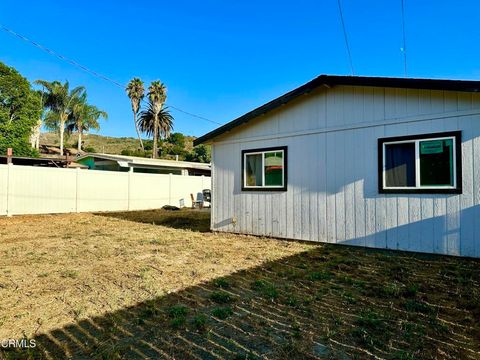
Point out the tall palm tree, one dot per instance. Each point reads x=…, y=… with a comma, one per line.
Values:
x=59, y=99
x=83, y=117
x=157, y=94
x=136, y=92
x=146, y=122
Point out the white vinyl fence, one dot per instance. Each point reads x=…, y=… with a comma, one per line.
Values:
x=38, y=190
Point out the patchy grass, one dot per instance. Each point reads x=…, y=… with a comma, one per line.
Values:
x=154, y=285
x=222, y=312
x=221, y=297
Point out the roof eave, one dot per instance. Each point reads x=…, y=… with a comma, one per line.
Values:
x=332, y=80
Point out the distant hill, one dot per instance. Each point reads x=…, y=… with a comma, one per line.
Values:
x=115, y=145
x=106, y=144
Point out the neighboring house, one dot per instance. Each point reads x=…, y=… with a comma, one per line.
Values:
x=377, y=162
x=124, y=163
x=57, y=162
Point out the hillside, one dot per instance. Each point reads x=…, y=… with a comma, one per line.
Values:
x=117, y=145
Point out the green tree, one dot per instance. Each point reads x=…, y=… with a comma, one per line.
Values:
x=146, y=124
x=201, y=153
x=157, y=95
x=20, y=109
x=177, y=139
x=59, y=99
x=136, y=92
x=83, y=117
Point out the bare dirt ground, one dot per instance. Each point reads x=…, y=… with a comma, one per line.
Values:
x=156, y=284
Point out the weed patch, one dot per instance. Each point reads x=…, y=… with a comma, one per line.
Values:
x=221, y=297
x=222, y=312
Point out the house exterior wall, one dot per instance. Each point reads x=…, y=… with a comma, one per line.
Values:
x=332, y=193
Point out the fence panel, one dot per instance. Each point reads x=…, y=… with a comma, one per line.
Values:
x=37, y=190
x=102, y=190
x=3, y=189
x=149, y=191
x=182, y=188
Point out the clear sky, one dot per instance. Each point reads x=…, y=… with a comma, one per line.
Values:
x=220, y=59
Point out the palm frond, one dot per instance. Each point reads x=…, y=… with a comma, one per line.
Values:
x=157, y=94
x=146, y=122
x=136, y=92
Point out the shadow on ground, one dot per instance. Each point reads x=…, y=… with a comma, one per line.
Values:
x=330, y=302
x=185, y=219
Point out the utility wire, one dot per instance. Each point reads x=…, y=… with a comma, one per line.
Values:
x=89, y=71
x=346, y=37
x=404, y=48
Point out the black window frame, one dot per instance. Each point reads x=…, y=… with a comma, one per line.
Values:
x=285, y=168
x=457, y=135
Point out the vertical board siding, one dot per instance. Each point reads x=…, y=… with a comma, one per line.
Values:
x=332, y=174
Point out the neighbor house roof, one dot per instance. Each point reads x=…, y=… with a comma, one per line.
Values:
x=332, y=80
x=135, y=161
x=43, y=161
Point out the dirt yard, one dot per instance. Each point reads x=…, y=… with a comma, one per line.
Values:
x=157, y=284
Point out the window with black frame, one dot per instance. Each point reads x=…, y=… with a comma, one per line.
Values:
x=429, y=163
x=264, y=169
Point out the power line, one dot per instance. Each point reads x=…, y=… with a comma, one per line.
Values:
x=61, y=57
x=346, y=37
x=404, y=48
x=89, y=71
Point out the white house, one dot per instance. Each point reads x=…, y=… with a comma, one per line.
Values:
x=378, y=162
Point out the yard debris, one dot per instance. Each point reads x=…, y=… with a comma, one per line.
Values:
x=170, y=208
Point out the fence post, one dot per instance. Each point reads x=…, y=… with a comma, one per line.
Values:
x=129, y=187
x=9, y=188
x=170, y=189
x=77, y=176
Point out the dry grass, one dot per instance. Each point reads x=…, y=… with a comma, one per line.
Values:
x=89, y=286
x=57, y=269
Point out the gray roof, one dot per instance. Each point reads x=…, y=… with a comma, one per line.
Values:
x=135, y=161
x=332, y=80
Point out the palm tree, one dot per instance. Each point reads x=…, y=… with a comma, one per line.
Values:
x=146, y=122
x=157, y=94
x=83, y=117
x=59, y=99
x=136, y=92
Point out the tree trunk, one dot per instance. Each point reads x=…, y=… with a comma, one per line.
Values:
x=37, y=141
x=155, y=136
x=79, y=146
x=62, y=130
x=32, y=139
x=35, y=136
x=138, y=132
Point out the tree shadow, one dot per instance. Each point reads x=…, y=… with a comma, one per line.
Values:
x=330, y=302
x=185, y=219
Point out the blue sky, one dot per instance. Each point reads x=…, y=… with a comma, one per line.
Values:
x=220, y=59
